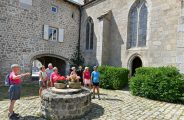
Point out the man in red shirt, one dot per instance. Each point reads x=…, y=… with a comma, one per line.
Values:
x=14, y=89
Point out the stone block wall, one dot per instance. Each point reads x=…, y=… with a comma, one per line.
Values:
x=162, y=32
x=180, y=40
x=21, y=31
x=65, y=106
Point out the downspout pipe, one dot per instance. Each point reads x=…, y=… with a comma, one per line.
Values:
x=80, y=17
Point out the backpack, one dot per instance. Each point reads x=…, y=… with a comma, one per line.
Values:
x=7, y=80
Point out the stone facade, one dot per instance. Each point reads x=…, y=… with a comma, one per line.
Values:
x=22, y=33
x=165, y=30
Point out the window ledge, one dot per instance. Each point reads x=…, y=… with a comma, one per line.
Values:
x=89, y=51
x=138, y=48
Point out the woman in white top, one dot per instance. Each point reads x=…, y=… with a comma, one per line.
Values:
x=43, y=79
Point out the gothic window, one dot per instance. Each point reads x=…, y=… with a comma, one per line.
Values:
x=137, y=27
x=89, y=34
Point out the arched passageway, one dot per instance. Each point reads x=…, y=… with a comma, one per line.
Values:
x=40, y=60
x=56, y=62
x=136, y=63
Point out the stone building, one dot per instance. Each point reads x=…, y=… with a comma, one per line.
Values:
x=133, y=33
x=44, y=30
x=123, y=33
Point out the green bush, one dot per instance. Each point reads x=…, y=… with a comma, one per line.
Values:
x=162, y=83
x=113, y=77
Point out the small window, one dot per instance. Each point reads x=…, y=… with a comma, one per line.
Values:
x=89, y=33
x=73, y=15
x=53, y=34
x=54, y=9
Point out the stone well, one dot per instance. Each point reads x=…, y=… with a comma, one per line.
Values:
x=62, y=104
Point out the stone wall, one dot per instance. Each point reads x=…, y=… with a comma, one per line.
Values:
x=58, y=106
x=162, y=32
x=180, y=40
x=21, y=31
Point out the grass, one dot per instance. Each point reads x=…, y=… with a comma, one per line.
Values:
x=26, y=91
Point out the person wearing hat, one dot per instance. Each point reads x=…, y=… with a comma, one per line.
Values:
x=54, y=76
x=14, y=89
x=95, y=77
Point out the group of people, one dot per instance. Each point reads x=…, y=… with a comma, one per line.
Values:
x=47, y=78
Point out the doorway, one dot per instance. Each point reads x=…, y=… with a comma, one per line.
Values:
x=136, y=63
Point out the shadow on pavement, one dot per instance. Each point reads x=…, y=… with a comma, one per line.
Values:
x=96, y=112
x=31, y=118
x=126, y=88
x=27, y=90
x=112, y=99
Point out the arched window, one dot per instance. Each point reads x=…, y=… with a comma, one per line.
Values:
x=89, y=33
x=137, y=26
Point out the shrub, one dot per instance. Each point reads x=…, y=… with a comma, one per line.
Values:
x=113, y=77
x=162, y=83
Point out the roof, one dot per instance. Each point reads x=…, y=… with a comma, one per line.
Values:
x=73, y=2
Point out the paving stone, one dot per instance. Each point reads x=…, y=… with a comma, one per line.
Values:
x=116, y=105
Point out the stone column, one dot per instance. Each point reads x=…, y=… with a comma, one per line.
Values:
x=103, y=42
x=180, y=41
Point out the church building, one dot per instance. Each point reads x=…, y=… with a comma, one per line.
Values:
x=122, y=33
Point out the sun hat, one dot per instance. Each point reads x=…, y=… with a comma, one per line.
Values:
x=55, y=68
x=15, y=66
x=73, y=68
x=50, y=64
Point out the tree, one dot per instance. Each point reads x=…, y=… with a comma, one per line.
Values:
x=77, y=58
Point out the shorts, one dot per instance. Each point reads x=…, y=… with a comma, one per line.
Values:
x=41, y=84
x=87, y=81
x=96, y=84
x=14, y=92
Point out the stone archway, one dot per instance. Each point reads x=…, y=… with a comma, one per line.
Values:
x=136, y=63
x=57, y=61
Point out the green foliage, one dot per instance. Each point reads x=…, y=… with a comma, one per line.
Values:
x=77, y=59
x=162, y=83
x=113, y=77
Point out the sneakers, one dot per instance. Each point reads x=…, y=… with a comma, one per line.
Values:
x=13, y=116
x=16, y=114
x=93, y=97
x=99, y=97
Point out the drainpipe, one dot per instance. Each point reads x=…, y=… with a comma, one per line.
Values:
x=80, y=16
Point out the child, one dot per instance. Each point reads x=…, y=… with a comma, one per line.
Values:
x=95, y=76
x=87, y=77
x=14, y=89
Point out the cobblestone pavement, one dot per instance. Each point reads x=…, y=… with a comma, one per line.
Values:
x=115, y=105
